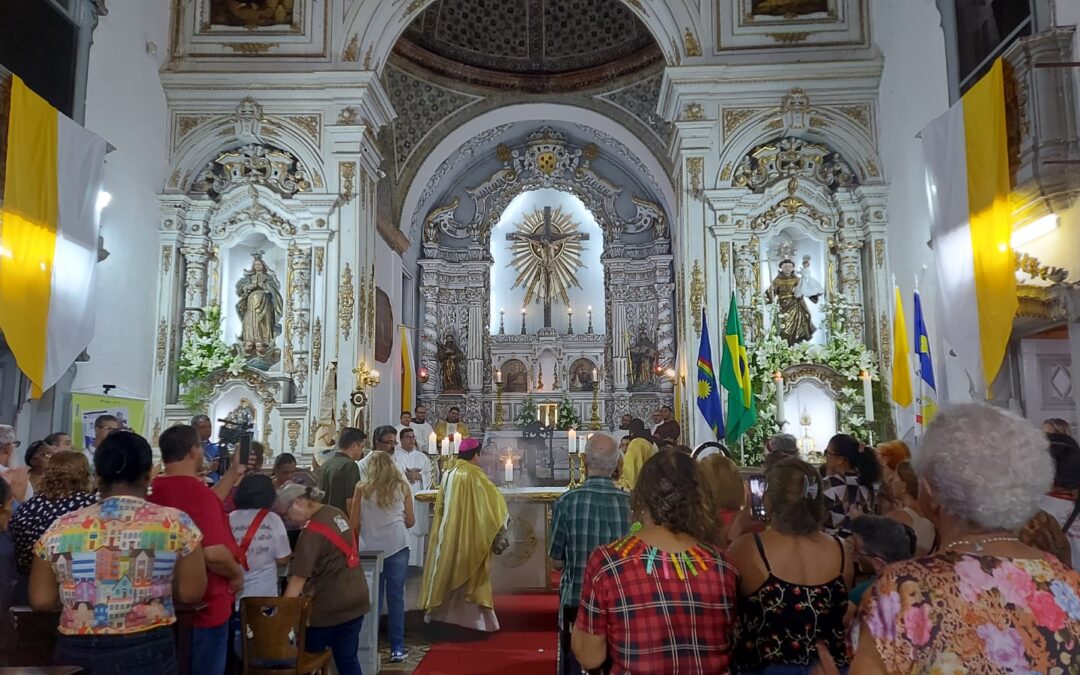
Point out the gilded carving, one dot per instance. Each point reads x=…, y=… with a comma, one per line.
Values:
x=879, y=253
x=184, y=125
x=174, y=179
x=734, y=117
x=789, y=38
x=316, y=344
x=294, y=434
x=695, y=167
x=162, y=345
x=363, y=305
x=1040, y=302
x=367, y=58
x=697, y=295
x=309, y=123
x=872, y=169
x=166, y=258
x=789, y=158
x=349, y=116
x=155, y=434
x=1033, y=267
x=818, y=122
x=346, y=302
x=884, y=339
x=320, y=254
x=860, y=114
x=693, y=112
x=312, y=428
x=690, y=43
x=352, y=50
x=348, y=181
x=725, y=173
x=725, y=252
x=250, y=48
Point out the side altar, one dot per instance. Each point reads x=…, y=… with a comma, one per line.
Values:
x=524, y=565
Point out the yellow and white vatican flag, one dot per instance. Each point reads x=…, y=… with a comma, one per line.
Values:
x=408, y=373
x=967, y=169
x=48, y=236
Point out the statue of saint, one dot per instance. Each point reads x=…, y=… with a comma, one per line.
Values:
x=794, y=316
x=643, y=358
x=450, y=363
x=260, y=308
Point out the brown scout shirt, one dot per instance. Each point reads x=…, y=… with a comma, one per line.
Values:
x=338, y=594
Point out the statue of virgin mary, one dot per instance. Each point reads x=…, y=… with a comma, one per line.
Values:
x=260, y=308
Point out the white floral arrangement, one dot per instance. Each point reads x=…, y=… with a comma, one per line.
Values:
x=842, y=352
x=202, y=354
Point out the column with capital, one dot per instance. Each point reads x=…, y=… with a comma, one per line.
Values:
x=665, y=331
x=850, y=254
x=196, y=258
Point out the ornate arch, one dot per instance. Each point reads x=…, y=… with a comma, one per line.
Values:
x=374, y=26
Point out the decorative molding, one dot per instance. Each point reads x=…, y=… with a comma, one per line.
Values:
x=250, y=48
x=879, y=253
x=309, y=123
x=792, y=157
x=348, y=181
x=166, y=258
x=734, y=117
x=725, y=252
x=697, y=295
x=789, y=38
x=690, y=44
x=162, y=345
x=316, y=344
x=695, y=167
x=253, y=164
x=155, y=433
x=346, y=302
x=725, y=173
x=693, y=112
x=860, y=114
x=320, y=254
x=885, y=341
x=352, y=50
x=1041, y=302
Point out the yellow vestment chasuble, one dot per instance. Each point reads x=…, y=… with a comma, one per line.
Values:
x=637, y=453
x=443, y=428
x=469, y=514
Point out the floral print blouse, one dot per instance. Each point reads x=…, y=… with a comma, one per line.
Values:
x=957, y=613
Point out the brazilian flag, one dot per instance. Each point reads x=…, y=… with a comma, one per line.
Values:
x=735, y=377
x=708, y=396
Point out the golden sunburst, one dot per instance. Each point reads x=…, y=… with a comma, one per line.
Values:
x=545, y=251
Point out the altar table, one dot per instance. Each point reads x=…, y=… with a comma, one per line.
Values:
x=539, y=454
x=524, y=565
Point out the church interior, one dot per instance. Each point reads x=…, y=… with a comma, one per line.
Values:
x=538, y=220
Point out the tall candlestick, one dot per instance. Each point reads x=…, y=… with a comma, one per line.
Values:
x=589, y=330
x=868, y=395
x=569, y=320
x=571, y=439
x=433, y=444
x=502, y=326
x=522, y=320
x=446, y=445
x=509, y=475
x=778, y=383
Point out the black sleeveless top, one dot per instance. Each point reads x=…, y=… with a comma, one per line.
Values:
x=781, y=622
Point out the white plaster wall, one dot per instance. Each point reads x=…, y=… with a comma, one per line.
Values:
x=386, y=398
x=126, y=106
x=914, y=91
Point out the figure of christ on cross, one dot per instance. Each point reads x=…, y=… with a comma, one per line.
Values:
x=547, y=258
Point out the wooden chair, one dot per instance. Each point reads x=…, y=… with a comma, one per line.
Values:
x=272, y=631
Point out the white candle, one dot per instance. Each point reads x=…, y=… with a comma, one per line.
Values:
x=446, y=445
x=509, y=470
x=571, y=437
x=778, y=383
x=498, y=376
x=868, y=394
x=433, y=444
x=595, y=374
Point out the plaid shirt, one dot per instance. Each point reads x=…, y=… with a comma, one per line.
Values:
x=659, y=616
x=596, y=513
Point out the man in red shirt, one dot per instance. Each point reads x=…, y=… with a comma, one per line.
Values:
x=180, y=487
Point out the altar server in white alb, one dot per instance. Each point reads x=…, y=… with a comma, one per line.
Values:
x=417, y=469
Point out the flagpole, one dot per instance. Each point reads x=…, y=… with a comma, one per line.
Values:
x=895, y=405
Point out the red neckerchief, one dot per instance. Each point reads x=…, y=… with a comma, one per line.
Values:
x=346, y=546
x=249, y=536
x=1067, y=495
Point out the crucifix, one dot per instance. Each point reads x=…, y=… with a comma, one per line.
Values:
x=547, y=253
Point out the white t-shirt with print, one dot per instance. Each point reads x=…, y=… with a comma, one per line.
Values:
x=270, y=543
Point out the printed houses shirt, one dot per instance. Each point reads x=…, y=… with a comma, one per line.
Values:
x=114, y=562
x=964, y=613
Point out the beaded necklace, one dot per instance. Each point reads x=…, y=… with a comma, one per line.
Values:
x=684, y=564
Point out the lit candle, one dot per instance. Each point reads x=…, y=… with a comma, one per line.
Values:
x=498, y=376
x=433, y=444
x=868, y=394
x=446, y=445
x=509, y=470
x=778, y=383
x=595, y=374
x=571, y=438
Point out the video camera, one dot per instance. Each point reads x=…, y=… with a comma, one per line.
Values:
x=235, y=431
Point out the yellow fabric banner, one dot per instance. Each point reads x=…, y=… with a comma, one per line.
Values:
x=406, y=371
x=901, y=361
x=28, y=226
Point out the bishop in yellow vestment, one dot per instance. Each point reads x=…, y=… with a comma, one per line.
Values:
x=470, y=517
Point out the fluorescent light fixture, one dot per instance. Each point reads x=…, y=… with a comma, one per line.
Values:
x=1032, y=231
x=103, y=199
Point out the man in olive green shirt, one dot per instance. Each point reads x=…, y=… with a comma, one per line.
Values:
x=340, y=473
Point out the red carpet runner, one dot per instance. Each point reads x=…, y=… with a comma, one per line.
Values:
x=526, y=645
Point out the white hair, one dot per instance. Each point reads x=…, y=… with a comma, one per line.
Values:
x=602, y=455
x=986, y=465
x=7, y=434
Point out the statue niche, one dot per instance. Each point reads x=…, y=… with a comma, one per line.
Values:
x=451, y=359
x=643, y=359
x=260, y=308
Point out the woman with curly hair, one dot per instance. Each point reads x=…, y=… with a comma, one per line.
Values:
x=792, y=559
x=661, y=600
x=64, y=488
x=382, y=509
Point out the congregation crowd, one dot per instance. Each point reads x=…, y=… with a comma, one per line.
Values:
x=957, y=557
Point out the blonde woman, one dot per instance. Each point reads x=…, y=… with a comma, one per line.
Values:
x=382, y=509
x=725, y=493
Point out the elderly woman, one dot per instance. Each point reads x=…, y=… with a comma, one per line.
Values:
x=985, y=602
x=793, y=558
x=660, y=600
x=326, y=568
x=37, y=461
x=65, y=488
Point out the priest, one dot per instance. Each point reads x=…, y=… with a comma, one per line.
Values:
x=468, y=527
x=417, y=469
x=451, y=427
x=423, y=429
